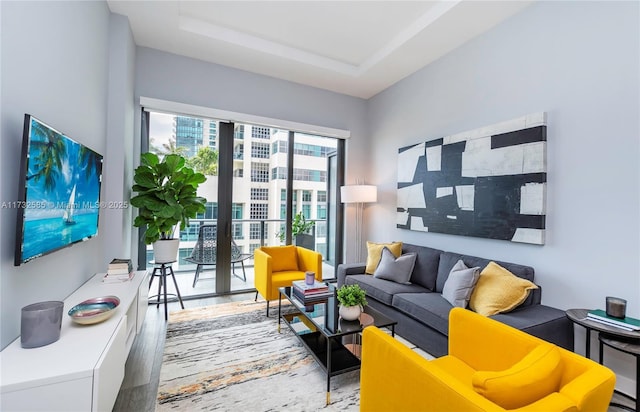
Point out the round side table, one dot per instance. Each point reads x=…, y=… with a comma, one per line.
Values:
x=616, y=338
x=626, y=346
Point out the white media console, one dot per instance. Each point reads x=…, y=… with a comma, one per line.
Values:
x=84, y=369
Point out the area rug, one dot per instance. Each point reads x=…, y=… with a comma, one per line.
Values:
x=230, y=356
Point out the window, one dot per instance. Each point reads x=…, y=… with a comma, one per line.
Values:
x=259, y=211
x=238, y=131
x=279, y=147
x=260, y=132
x=306, y=211
x=321, y=229
x=259, y=194
x=259, y=172
x=210, y=213
x=322, y=196
x=254, y=231
x=237, y=230
x=306, y=195
x=279, y=173
x=260, y=150
x=237, y=210
x=322, y=211
x=253, y=247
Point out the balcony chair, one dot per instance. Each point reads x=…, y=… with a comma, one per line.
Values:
x=490, y=367
x=204, y=253
x=278, y=266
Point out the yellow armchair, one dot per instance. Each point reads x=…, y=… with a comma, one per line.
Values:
x=512, y=369
x=278, y=266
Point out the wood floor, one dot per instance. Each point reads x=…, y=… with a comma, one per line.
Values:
x=142, y=370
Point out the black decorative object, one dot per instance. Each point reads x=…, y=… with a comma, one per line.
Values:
x=616, y=307
x=489, y=182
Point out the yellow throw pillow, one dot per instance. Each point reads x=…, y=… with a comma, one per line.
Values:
x=498, y=291
x=374, y=253
x=283, y=258
x=532, y=378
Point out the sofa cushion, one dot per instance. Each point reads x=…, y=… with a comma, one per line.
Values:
x=532, y=378
x=395, y=269
x=498, y=291
x=425, y=270
x=448, y=259
x=459, y=285
x=380, y=289
x=374, y=253
x=429, y=308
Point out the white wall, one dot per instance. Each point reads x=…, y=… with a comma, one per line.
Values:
x=579, y=62
x=55, y=66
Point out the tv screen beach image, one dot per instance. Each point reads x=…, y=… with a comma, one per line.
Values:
x=62, y=189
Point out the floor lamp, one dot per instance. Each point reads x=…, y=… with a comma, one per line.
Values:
x=359, y=194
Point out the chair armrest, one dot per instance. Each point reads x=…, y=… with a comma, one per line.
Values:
x=346, y=269
x=262, y=271
x=556, y=402
x=485, y=344
x=395, y=378
x=600, y=380
x=310, y=261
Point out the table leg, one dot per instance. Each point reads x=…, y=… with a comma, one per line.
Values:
x=328, y=371
x=637, y=383
x=279, y=309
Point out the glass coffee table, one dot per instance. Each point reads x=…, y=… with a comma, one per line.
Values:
x=322, y=332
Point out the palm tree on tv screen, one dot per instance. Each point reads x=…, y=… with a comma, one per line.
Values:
x=51, y=152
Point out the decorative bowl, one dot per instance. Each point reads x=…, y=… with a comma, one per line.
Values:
x=94, y=310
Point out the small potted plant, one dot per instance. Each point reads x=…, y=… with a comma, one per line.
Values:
x=300, y=231
x=166, y=196
x=352, y=299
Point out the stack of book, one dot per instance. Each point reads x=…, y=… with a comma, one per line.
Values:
x=311, y=293
x=629, y=324
x=119, y=270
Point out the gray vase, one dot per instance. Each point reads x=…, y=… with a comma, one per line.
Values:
x=40, y=324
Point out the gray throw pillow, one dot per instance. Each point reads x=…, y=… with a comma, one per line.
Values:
x=395, y=269
x=460, y=283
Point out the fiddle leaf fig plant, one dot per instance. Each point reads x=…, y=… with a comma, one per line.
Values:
x=166, y=195
x=351, y=295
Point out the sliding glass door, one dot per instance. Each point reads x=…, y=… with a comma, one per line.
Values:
x=247, y=191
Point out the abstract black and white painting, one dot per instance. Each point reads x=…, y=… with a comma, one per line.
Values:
x=488, y=182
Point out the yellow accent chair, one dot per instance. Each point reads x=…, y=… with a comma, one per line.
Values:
x=278, y=266
x=490, y=367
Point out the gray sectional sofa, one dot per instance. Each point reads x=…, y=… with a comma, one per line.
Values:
x=422, y=313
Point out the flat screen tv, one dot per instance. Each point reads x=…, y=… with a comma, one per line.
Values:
x=59, y=195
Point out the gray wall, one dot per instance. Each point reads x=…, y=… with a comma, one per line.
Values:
x=179, y=79
x=55, y=66
x=578, y=61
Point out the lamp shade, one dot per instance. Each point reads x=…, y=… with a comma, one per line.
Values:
x=359, y=194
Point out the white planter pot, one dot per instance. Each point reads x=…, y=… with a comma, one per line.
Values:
x=165, y=251
x=349, y=312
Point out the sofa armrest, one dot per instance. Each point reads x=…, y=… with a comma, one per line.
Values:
x=310, y=261
x=346, y=269
x=395, y=378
